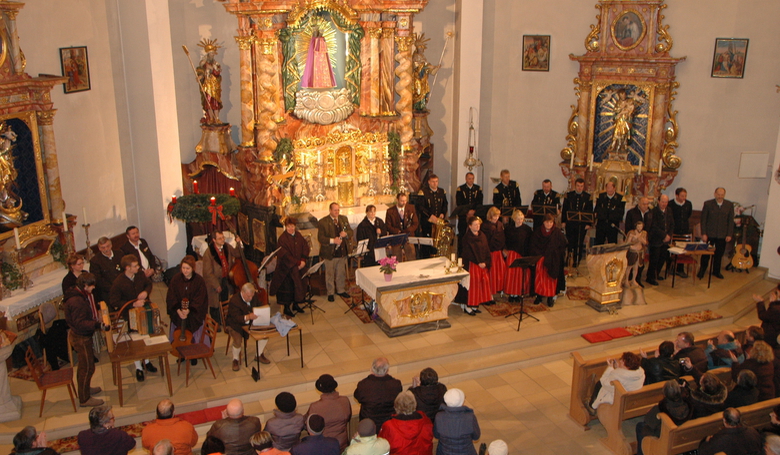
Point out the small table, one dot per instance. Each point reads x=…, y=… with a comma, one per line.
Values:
x=259, y=335
x=130, y=351
x=699, y=253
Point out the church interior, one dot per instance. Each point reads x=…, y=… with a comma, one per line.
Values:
x=136, y=113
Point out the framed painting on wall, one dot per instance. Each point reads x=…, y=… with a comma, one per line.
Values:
x=536, y=52
x=75, y=66
x=730, y=57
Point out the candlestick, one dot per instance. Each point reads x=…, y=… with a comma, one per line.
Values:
x=173, y=199
x=84, y=212
x=195, y=187
x=590, y=163
x=64, y=222
x=213, y=200
x=232, y=191
x=16, y=239
x=571, y=161
x=89, y=254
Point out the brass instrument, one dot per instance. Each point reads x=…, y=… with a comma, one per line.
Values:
x=443, y=235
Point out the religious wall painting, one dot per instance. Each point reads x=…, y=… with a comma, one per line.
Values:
x=75, y=66
x=536, y=52
x=730, y=57
x=258, y=239
x=628, y=30
x=620, y=115
x=23, y=194
x=243, y=226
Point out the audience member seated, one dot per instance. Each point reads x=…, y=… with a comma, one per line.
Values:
x=761, y=362
x=212, y=446
x=102, y=438
x=774, y=421
x=456, y=426
x=709, y=397
x=662, y=367
x=428, y=392
x=235, y=429
x=286, y=424
x=263, y=442
x=30, y=442
x=676, y=403
x=719, y=350
x=744, y=392
x=772, y=444
x=164, y=447
x=316, y=443
x=626, y=370
x=769, y=315
x=366, y=442
x=733, y=439
x=497, y=447
x=684, y=347
x=333, y=408
x=179, y=432
x=752, y=334
x=376, y=393
x=409, y=432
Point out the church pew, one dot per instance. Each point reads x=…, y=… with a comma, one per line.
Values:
x=628, y=405
x=585, y=374
x=677, y=439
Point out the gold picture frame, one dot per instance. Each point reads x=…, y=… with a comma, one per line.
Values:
x=626, y=31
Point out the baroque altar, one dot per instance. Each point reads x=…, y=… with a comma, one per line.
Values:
x=623, y=128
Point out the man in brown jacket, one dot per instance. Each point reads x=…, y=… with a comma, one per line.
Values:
x=402, y=219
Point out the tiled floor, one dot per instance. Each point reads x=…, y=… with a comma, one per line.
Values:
x=517, y=382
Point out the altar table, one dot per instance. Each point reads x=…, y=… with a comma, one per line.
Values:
x=419, y=292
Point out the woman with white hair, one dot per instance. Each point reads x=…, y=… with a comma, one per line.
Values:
x=456, y=426
x=409, y=431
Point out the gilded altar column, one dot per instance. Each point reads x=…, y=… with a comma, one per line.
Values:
x=13, y=35
x=267, y=96
x=656, y=139
x=247, y=99
x=375, y=33
x=386, y=76
x=46, y=125
x=404, y=88
x=583, y=133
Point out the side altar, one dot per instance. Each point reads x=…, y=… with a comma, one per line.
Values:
x=419, y=293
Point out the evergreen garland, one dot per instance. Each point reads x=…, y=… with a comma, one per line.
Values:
x=284, y=148
x=58, y=252
x=394, y=151
x=194, y=208
x=12, y=275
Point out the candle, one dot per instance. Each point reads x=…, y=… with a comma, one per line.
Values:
x=590, y=163
x=16, y=239
x=232, y=191
x=173, y=199
x=639, y=169
x=660, y=168
x=84, y=211
x=64, y=222
x=571, y=161
x=453, y=256
x=213, y=200
x=195, y=187
x=460, y=262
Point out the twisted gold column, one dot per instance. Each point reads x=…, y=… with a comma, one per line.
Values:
x=267, y=98
x=247, y=100
x=404, y=88
x=46, y=123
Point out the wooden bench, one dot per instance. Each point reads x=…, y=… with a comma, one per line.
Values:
x=628, y=405
x=677, y=439
x=585, y=374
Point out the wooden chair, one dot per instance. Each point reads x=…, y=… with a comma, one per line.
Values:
x=48, y=312
x=199, y=350
x=51, y=379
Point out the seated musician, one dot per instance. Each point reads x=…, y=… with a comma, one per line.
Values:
x=188, y=285
x=371, y=228
x=240, y=314
x=518, y=239
x=131, y=286
x=286, y=284
x=477, y=260
x=494, y=231
x=550, y=243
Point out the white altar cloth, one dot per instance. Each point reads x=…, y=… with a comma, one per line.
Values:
x=425, y=271
x=45, y=288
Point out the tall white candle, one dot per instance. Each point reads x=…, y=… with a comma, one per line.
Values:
x=639, y=171
x=453, y=257
x=590, y=163
x=571, y=161
x=660, y=168
x=84, y=211
x=64, y=221
x=16, y=239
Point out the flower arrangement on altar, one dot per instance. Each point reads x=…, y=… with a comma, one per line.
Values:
x=388, y=265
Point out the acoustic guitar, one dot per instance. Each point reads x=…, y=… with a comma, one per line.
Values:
x=743, y=260
x=182, y=336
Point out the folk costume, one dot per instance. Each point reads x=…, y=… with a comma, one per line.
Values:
x=544, y=200
x=575, y=230
x=518, y=240
x=496, y=243
x=431, y=202
x=475, y=251
x=194, y=291
x=507, y=195
x=609, y=214
x=467, y=197
x=287, y=284
x=105, y=269
x=402, y=221
x=551, y=245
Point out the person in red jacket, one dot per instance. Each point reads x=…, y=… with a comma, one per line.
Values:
x=409, y=432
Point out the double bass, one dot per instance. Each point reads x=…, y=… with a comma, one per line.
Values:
x=243, y=271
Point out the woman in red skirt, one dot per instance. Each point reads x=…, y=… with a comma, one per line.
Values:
x=550, y=243
x=476, y=259
x=494, y=231
x=518, y=239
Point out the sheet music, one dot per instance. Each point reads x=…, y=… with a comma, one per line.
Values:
x=263, y=315
x=421, y=241
x=380, y=253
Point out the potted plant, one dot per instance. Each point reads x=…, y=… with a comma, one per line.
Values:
x=387, y=266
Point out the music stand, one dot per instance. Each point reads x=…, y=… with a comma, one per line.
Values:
x=528, y=262
x=361, y=249
x=309, y=300
x=581, y=218
x=508, y=211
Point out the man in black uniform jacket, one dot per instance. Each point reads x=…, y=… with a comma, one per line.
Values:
x=610, y=208
x=106, y=266
x=681, y=212
x=546, y=198
x=576, y=201
x=433, y=206
x=659, y=235
x=506, y=193
x=468, y=195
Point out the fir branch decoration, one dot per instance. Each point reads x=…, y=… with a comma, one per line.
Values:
x=12, y=275
x=394, y=151
x=58, y=252
x=284, y=148
x=194, y=208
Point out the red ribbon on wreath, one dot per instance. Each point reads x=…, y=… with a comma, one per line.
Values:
x=214, y=211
